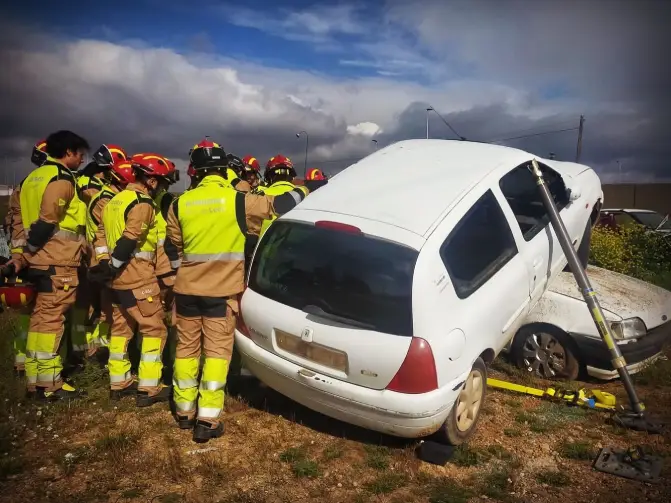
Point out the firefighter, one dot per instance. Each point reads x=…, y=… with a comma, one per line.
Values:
x=129, y=262
x=314, y=179
x=251, y=171
x=278, y=175
x=119, y=175
x=206, y=240
x=90, y=181
x=54, y=246
x=17, y=235
x=234, y=170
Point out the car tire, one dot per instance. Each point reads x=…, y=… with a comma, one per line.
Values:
x=555, y=351
x=458, y=428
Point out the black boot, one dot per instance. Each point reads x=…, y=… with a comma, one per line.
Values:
x=204, y=431
x=184, y=422
x=144, y=400
x=19, y=373
x=66, y=393
x=118, y=394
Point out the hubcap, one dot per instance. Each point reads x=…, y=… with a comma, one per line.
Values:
x=544, y=355
x=469, y=401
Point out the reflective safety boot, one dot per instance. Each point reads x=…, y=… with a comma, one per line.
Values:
x=185, y=422
x=67, y=392
x=118, y=394
x=144, y=400
x=204, y=431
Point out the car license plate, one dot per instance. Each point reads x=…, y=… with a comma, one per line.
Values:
x=323, y=355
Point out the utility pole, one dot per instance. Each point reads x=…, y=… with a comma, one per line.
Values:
x=578, y=150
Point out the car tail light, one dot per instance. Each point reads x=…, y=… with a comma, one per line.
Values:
x=337, y=226
x=418, y=371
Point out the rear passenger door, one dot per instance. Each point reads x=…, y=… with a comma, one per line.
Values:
x=537, y=241
x=488, y=275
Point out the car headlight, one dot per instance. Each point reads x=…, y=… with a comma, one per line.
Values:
x=631, y=328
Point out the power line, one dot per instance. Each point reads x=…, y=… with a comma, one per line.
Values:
x=518, y=131
x=447, y=124
x=532, y=135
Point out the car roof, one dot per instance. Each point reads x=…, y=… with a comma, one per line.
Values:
x=411, y=183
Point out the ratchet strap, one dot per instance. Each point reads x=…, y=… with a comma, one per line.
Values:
x=592, y=399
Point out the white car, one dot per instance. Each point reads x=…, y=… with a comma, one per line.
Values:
x=380, y=299
x=560, y=340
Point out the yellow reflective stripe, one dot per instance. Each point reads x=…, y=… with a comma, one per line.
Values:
x=144, y=255
x=186, y=383
x=212, y=257
x=149, y=373
x=117, y=378
x=185, y=406
x=210, y=412
x=16, y=243
x=175, y=263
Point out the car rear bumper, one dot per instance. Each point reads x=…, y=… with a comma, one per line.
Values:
x=637, y=353
x=398, y=414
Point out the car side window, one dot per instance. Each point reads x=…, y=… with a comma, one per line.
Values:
x=521, y=192
x=479, y=246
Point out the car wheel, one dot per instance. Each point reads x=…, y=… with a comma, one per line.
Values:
x=546, y=351
x=460, y=423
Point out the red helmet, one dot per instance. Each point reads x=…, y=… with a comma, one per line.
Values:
x=17, y=296
x=39, y=154
x=107, y=155
x=190, y=170
x=315, y=174
x=155, y=165
x=122, y=173
x=279, y=165
x=207, y=155
x=251, y=163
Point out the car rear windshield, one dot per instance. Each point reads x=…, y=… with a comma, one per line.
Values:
x=346, y=275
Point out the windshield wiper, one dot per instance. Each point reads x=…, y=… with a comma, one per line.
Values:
x=666, y=219
x=318, y=311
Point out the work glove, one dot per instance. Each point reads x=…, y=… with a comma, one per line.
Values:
x=8, y=270
x=102, y=272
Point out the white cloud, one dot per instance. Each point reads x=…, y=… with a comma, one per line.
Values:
x=364, y=129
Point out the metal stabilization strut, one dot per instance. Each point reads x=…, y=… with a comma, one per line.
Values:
x=635, y=418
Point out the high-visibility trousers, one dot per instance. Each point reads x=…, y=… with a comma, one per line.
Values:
x=205, y=325
x=79, y=314
x=21, y=338
x=56, y=293
x=100, y=318
x=139, y=309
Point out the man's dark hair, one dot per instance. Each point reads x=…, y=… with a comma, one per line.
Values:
x=60, y=142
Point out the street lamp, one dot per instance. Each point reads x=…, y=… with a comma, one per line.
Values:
x=307, y=141
x=375, y=141
x=427, y=121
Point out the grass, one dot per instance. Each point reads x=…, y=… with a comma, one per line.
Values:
x=578, y=450
x=386, y=483
x=553, y=478
x=657, y=374
x=333, y=451
x=293, y=454
x=550, y=416
x=377, y=457
x=305, y=468
x=495, y=484
x=447, y=490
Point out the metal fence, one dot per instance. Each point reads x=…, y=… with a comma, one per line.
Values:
x=649, y=196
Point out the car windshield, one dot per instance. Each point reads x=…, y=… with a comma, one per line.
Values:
x=652, y=219
x=349, y=276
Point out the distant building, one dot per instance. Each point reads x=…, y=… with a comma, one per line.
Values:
x=646, y=196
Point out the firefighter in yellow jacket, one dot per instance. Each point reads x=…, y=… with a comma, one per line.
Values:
x=207, y=227
x=129, y=261
x=54, y=245
x=14, y=228
x=278, y=177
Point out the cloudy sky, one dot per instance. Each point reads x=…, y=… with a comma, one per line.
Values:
x=156, y=75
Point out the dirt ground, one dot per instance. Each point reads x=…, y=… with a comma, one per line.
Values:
x=524, y=450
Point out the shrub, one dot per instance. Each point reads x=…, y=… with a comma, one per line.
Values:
x=634, y=251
